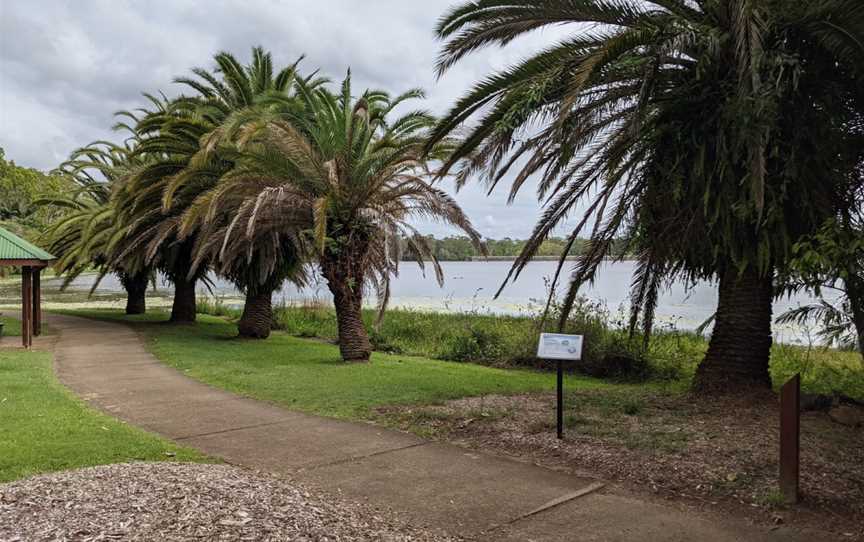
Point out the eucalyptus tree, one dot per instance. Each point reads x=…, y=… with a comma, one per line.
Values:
x=81, y=236
x=173, y=132
x=348, y=177
x=704, y=133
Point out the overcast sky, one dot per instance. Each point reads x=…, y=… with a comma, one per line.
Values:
x=67, y=66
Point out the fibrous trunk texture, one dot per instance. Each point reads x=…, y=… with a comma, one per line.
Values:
x=343, y=270
x=136, y=293
x=257, y=319
x=183, y=309
x=740, y=348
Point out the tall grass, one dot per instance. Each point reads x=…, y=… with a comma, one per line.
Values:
x=215, y=306
x=824, y=371
x=505, y=340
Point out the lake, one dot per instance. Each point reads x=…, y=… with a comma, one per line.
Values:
x=470, y=286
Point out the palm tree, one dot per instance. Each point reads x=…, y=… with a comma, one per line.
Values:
x=82, y=235
x=703, y=133
x=168, y=135
x=347, y=178
x=258, y=263
x=174, y=132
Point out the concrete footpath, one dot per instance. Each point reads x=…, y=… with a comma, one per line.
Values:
x=431, y=484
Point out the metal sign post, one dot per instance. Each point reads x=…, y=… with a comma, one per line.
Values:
x=561, y=348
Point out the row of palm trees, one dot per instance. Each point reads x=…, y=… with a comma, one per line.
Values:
x=712, y=136
x=255, y=176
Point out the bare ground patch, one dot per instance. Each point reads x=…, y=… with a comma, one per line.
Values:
x=170, y=501
x=714, y=455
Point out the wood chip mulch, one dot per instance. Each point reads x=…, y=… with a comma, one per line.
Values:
x=719, y=456
x=174, y=501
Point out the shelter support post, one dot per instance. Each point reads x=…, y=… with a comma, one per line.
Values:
x=27, y=306
x=37, y=301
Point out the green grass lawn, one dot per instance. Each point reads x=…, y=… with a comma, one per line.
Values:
x=308, y=375
x=44, y=428
x=11, y=326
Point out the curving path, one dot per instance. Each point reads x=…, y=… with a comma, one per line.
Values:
x=431, y=484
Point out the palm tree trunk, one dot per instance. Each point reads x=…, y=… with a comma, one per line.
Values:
x=344, y=272
x=257, y=319
x=354, y=344
x=183, y=309
x=855, y=292
x=136, y=292
x=740, y=348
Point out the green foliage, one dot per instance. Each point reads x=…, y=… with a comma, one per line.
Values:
x=45, y=428
x=474, y=344
x=836, y=325
x=832, y=258
x=81, y=238
x=832, y=252
x=20, y=190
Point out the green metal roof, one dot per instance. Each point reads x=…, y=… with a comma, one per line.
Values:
x=13, y=247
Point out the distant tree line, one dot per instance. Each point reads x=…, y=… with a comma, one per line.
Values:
x=21, y=190
x=458, y=248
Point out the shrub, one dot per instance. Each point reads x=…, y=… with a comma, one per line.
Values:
x=474, y=344
x=381, y=343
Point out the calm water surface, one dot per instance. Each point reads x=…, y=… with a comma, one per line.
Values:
x=470, y=286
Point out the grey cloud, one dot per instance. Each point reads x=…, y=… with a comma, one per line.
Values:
x=67, y=66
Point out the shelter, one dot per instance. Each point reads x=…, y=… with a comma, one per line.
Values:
x=17, y=252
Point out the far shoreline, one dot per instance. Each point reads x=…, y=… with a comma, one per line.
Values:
x=535, y=259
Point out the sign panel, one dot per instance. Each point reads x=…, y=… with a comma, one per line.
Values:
x=558, y=346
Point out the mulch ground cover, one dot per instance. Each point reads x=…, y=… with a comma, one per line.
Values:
x=717, y=455
x=175, y=501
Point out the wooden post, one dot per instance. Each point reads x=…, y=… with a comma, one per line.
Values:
x=37, y=302
x=559, y=418
x=26, y=306
x=790, y=438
